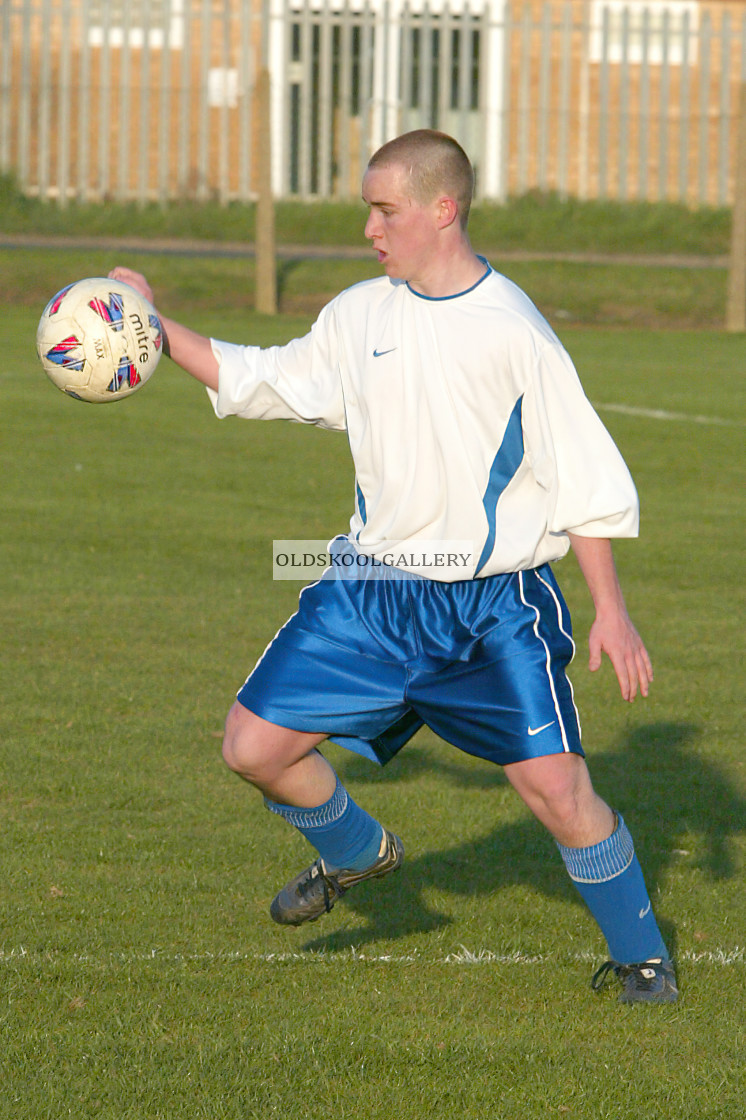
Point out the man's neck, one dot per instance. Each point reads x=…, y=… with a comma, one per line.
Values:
x=450, y=275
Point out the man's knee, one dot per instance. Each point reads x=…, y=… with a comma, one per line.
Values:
x=558, y=790
x=242, y=742
x=568, y=787
x=551, y=778
x=261, y=751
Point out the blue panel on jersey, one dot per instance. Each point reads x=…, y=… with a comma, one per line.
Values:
x=361, y=504
x=506, y=462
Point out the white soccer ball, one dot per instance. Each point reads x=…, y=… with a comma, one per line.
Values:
x=99, y=340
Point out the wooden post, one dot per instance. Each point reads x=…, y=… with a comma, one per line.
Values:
x=266, y=257
x=735, y=316
x=266, y=263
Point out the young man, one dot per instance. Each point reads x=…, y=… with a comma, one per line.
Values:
x=466, y=422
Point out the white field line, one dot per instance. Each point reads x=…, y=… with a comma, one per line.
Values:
x=461, y=956
x=676, y=417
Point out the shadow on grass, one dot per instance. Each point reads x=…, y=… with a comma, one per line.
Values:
x=285, y=270
x=665, y=791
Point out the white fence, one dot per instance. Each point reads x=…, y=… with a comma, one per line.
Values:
x=154, y=99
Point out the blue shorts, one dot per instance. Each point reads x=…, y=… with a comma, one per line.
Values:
x=482, y=662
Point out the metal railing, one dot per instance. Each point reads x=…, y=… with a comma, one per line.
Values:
x=151, y=100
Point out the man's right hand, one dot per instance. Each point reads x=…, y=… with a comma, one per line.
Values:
x=190, y=350
x=135, y=280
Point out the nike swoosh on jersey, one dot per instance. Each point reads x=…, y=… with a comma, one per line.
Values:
x=544, y=726
x=380, y=353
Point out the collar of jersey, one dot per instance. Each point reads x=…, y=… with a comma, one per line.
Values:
x=456, y=295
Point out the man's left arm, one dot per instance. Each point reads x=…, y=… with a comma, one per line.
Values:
x=612, y=632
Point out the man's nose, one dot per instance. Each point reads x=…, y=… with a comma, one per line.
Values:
x=372, y=226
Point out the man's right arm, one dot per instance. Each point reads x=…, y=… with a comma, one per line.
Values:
x=192, y=351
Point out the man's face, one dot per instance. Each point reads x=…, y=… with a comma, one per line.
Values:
x=403, y=231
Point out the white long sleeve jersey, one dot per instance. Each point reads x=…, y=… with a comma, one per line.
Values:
x=465, y=418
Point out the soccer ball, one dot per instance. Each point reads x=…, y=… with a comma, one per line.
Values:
x=99, y=340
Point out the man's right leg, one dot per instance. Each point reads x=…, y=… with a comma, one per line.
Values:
x=282, y=763
x=300, y=785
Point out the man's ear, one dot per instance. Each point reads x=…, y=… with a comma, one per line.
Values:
x=447, y=211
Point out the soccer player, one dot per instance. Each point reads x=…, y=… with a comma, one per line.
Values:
x=466, y=422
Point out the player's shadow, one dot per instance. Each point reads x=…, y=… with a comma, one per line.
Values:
x=285, y=268
x=288, y=300
x=666, y=794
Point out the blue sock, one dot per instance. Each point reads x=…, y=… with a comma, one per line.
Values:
x=342, y=833
x=609, y=879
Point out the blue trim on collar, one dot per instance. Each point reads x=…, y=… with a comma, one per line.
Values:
x=456, y=295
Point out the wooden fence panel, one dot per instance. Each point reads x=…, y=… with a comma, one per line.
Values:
x=138, y=102
x=150, y=100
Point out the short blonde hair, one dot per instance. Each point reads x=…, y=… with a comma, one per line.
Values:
x=436, y=164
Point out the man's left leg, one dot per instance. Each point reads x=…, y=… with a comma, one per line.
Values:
x=599, y=856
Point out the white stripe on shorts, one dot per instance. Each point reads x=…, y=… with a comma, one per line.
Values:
x=570, y=639
x=547, y=651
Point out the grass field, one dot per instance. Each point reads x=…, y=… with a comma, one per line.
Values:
x=533, y=221
x=606, y=295
x=141, y=977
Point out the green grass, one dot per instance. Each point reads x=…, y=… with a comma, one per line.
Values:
x=540, y=222
x=140, y=974
x=567, y=293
